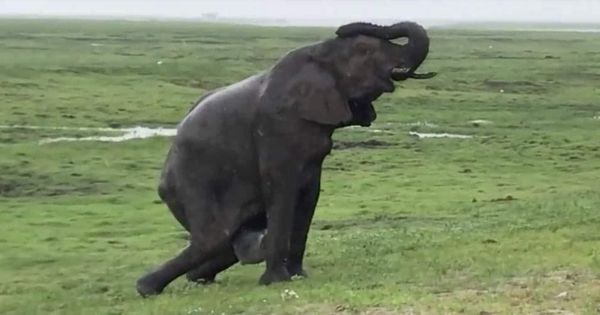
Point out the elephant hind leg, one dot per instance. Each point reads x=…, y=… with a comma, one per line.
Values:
x=206, y=272
x=248, y=238
x=206, y=241
x=168, y=195
x=155, y=281
x=193, y=256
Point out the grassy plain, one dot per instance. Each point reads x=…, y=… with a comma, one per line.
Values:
x=504, y=223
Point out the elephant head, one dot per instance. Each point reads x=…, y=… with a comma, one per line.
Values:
x=405, y=58
x=365, y=62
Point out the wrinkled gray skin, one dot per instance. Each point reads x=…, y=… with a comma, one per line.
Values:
x=247, y=158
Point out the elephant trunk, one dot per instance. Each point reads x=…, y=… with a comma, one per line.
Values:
x=416, y=49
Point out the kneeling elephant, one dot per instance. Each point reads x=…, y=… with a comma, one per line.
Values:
x=243, y=172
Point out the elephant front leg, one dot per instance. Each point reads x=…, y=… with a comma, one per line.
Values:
x=282, y=200
x=303, y=216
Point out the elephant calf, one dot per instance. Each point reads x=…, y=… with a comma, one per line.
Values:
x=247, y=158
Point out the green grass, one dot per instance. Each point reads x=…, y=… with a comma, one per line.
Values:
x=503, y=223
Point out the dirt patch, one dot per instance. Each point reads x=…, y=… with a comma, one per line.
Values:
x=507, y=198
x=26, y=184
x=367, y=144
x=129, y=54
x=198, y=84
x=559, y=292
x=480, y=122
x=524, y=87
x=342, y=309
x=349, y=223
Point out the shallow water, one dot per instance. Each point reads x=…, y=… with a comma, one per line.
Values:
x=126, y=134
x=139, y=132
x=59, y=128
x=110, y=134
x=481, y=122
x=422, y=135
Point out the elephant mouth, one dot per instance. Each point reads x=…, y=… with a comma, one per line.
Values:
x=363, y=112
x=366, y=98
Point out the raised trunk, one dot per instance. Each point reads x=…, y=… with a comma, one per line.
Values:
x=417, y=47
x=416, y=50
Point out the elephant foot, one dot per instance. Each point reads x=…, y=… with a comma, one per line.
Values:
x=297, y=271
x=275, y=275
x=204, y=280
x=146, y=287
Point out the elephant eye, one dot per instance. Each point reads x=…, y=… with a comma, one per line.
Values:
x=362, y=50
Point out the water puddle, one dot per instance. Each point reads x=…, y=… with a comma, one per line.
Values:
x=367, y=129
x=481, y=122
x=58, y=128
x=374, y=128
x=419, y=124
x=422, y=135
x=126, y=134
x=139, y=132
x=114, y=134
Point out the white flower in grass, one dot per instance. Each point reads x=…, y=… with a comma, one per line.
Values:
x=288, y=294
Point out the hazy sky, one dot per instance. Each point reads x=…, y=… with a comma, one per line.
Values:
x=302, y=10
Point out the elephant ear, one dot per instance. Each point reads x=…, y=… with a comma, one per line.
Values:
x=317, y=98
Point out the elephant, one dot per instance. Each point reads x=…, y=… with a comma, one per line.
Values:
x=243, y=173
